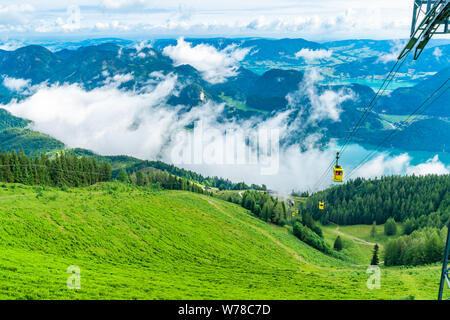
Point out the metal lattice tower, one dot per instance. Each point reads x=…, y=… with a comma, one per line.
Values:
x=430, y=17
x=445, y=275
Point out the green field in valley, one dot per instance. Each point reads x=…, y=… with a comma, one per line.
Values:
x=399, y=118
x=358, y=244
x=240, y=105
x=133, y=243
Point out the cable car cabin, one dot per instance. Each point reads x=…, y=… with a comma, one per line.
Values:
x=338, y=174
x=321, y=205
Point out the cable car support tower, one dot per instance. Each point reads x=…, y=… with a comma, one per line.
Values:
x=430, y=17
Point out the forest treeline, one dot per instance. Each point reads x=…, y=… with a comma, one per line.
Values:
x=213, y=182
x=422, y=246
x=64, y=169
x=424, y=201
x=420, y=203
x=262, y=204
x=160, y=179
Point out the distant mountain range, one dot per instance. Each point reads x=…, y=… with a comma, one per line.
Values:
x=248, y=93
x=349, y=58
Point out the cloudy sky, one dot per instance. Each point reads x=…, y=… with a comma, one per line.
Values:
x=310, y=19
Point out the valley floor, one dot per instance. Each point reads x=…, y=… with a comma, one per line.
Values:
x=132, y=243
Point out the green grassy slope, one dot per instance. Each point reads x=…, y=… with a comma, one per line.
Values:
x=15, y=136
x=357, y=243
x=27, y=140
x=140, y=244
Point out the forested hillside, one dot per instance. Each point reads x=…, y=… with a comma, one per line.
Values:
x=61, y=170
x=363, y=201
x=214, y=182
x=415, y=212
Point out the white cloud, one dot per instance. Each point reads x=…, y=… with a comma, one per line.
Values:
x=117, y=80
x=437, y=52
x=431, y=166
x=71, y=23
x=11, y=45
x=101, y=119
x=102, y=26
x=215, y=65
x=120, y=4
x=184, y=13
x=15, y=14
x=310, y=55
x=14, y=84
x=325, y=104
x=141, y=49
x=383, y=164
x=297, y=170
x=396, y=47
x=113, y=25
x=285, y=18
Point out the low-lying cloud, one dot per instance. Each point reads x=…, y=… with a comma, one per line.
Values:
x=215, y=65
x=437, y=53
x=16, y=85
x=396, y=48
x=11, y=45
x=431, y=166
x=385, y=164
x=310, y=55
x=111, y=121
x=325, y=104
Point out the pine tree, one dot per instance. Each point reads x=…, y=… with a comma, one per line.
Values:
x=338, y=244
x=375, y=261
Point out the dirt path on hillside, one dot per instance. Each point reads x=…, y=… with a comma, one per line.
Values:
x=13, y=196
x=355, y=239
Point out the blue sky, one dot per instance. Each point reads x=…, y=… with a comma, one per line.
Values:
x=311, y=19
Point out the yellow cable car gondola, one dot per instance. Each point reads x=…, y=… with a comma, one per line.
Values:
x=321, y=205
x=338, y=172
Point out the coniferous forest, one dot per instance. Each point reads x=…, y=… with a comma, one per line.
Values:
x=64, y=169
x=420, y=204
x=421, y=201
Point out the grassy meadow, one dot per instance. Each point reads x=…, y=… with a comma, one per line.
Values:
x=138, y=243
